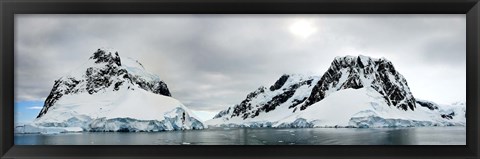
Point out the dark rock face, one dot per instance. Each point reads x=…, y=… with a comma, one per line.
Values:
x=448, y=116
x=109, y=73
x=57, y=92
x=222, y=113
x=102, y=57
x=283, y=97
x=100, y=79
x=245, y=105
x=427, y=104
x=282, y=93
x=358, y=72
x=157, y=87
x=280, y=82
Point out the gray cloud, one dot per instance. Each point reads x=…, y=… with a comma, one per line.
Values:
x=213, y=61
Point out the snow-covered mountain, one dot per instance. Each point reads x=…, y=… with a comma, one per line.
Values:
x=108, y=93
x=356, y=91
x=269, y=104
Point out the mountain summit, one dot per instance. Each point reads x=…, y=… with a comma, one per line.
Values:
x=104, y=72
x=362, y=71
x=109, y=93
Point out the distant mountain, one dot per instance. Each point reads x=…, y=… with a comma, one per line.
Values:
x=288, y=91
x=109, y=93
x=356, y=91
x=273, y=103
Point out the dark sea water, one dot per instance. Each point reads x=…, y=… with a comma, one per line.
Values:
x=259, y=136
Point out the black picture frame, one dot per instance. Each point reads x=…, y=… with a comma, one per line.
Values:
x=9, y=8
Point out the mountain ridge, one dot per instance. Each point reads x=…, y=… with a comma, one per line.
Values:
x=390, y=102
x=363, y=71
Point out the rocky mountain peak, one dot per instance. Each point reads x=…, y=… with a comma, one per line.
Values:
x=363, y=71
x=103, y=56
x=110, y=75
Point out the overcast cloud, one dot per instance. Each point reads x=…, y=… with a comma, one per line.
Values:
x=210, y=62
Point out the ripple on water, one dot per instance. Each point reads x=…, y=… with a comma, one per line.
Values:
x=314, y=136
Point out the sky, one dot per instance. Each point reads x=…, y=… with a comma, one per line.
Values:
x=211, y=62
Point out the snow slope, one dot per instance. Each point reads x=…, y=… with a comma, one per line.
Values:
x=93, y=112
x=365, y=107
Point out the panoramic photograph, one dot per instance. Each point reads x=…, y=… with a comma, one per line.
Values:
x=200, y=79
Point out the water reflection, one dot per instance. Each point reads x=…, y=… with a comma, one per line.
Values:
x=264, y=136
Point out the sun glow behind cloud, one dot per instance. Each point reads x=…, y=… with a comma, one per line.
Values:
x=302, y=28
